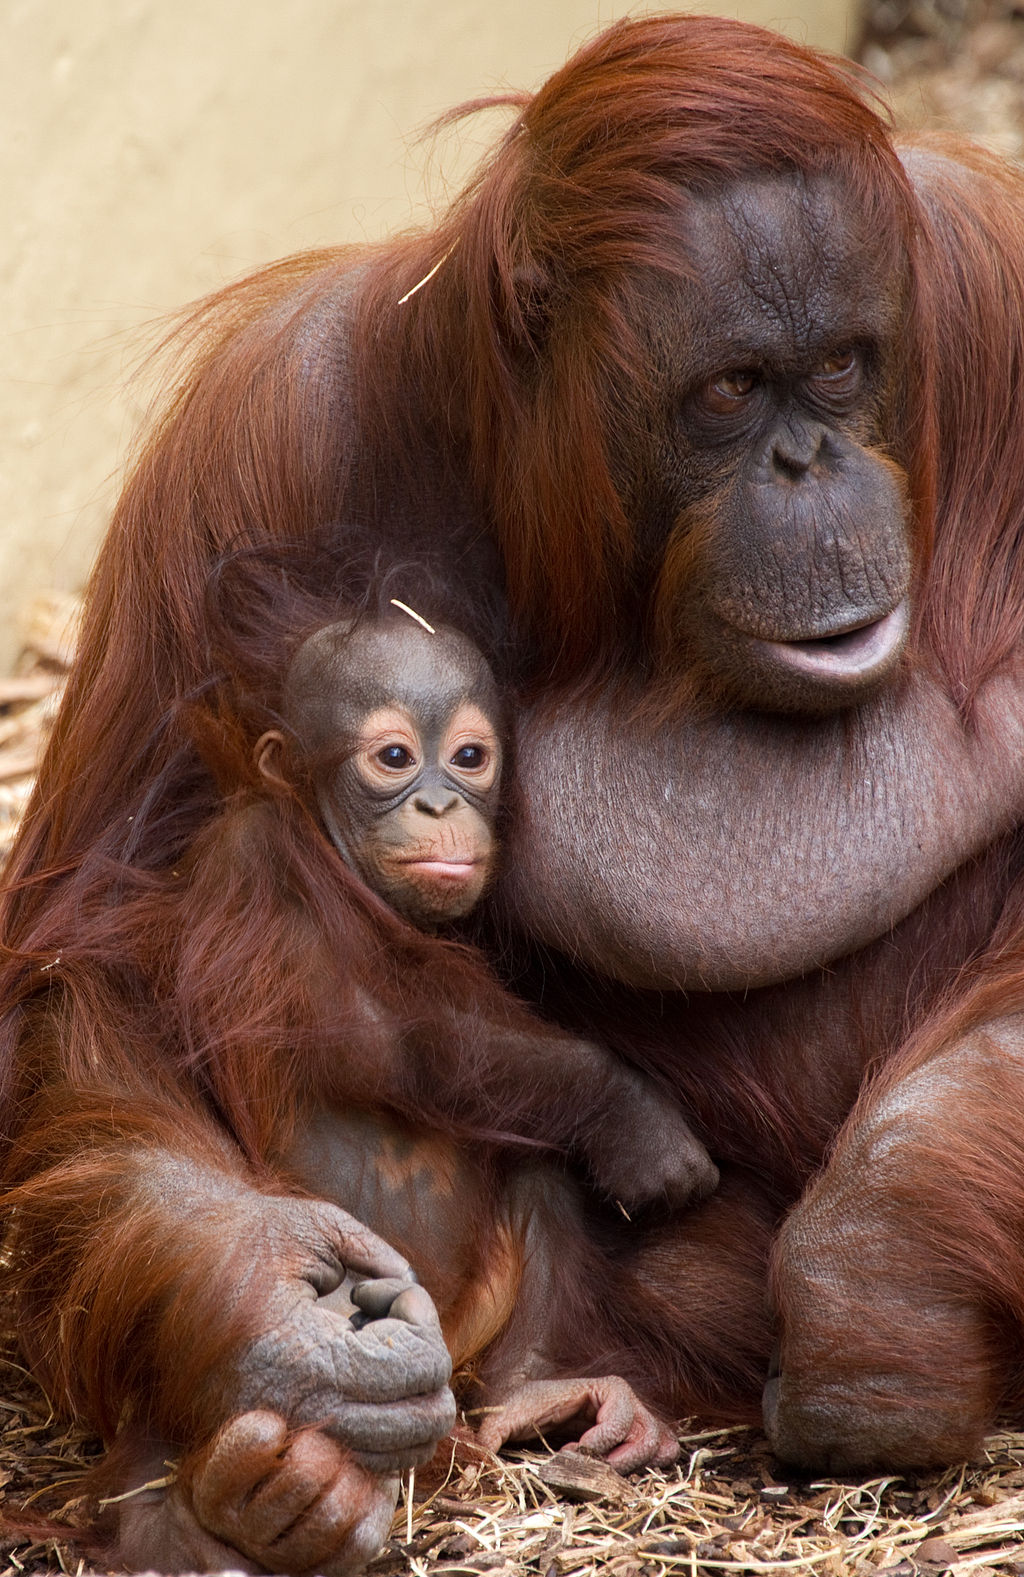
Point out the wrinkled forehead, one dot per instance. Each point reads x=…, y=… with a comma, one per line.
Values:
x=342, y=674
x=787, y=259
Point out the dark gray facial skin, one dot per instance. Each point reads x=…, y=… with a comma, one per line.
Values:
x=400, y=725
x=772, y=461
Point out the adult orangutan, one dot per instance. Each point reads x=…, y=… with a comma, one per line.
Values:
x=704, y=405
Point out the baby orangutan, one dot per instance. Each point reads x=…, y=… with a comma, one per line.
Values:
x=379, y=1067
x=394, y=737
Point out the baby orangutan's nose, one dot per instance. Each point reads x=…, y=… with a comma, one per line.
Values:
x=436, y=802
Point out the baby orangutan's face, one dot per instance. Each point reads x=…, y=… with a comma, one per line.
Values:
x=400, y=728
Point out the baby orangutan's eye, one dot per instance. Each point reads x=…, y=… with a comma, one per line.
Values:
x=395, y=758
x=471, y=758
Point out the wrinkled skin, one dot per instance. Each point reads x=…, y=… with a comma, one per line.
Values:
x=797, y=598
x=256, y=1498
x=346, y=1387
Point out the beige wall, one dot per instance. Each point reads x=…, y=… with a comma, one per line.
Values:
x=151, y=149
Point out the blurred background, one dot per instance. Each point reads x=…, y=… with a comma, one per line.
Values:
x=150, y=152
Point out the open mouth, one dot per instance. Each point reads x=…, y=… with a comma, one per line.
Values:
x=848, y=655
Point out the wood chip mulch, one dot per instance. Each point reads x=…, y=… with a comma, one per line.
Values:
x=726, y=1507
x=951, y=65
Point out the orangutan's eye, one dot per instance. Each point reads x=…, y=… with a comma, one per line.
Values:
x=839, y=373
x=471, y=758
x=734, y=385
x=395, y=758
x=729, y=392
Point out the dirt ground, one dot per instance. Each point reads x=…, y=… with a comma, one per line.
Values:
x=728, y=1506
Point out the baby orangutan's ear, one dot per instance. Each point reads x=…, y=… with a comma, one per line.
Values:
x=268, y=754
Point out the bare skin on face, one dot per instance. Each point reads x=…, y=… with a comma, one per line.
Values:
x=406, y=759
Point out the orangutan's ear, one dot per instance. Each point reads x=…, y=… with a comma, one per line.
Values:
x=268, y=754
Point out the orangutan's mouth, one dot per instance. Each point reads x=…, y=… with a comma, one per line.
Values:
x=444, y=870
x=849, y=656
